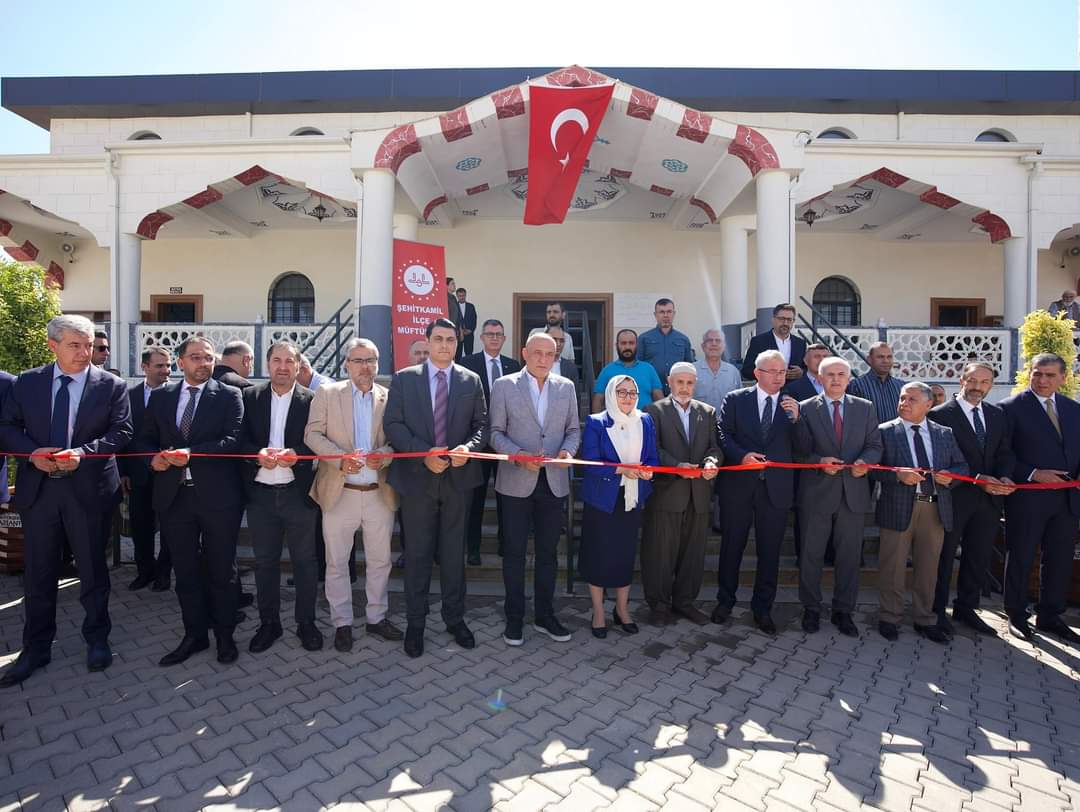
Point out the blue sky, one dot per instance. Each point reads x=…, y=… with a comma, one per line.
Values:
x=49, y=38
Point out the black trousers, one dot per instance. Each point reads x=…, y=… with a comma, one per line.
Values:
x=769, y=523
x=56, y=516
x=435, y=522
x=143, y=529
x=476, y=509
x=1049, y=524
x=975, y=525
x=202, y=543
x=543, y=512
x=673, y=556
x=277, y=516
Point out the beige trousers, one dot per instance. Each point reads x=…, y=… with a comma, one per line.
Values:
x=923, y=538
x=367, y=511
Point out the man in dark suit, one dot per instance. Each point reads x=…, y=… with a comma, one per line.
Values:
x=981, y=432
x=468, y=322
x=756, y=424
x=836, y=429
x=791, y=347
x=809, y=385
x=58, y=413
x=677, y=513
x=563, y=366
x=914, y=510
x=137, y=480
x=278, y=505
x=236, y=365
x=6, y=380
x=489, y=365
x=199, y=500
x=437, y=406
x=454, y=314
x=1045, y=428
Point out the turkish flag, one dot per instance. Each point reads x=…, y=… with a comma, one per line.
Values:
x=563, y=121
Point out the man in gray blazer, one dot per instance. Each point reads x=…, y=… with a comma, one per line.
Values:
x=836, y=429
x=435, y=406
x=914, y=510
x=677, y=513
x=533, y=413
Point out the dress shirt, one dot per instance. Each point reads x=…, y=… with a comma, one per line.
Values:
x=556, y=368
x=829, y=405
x=181, y=404
x=711, y=387
x=924, y=432
x=784, y=346
x=487, y=369
x=969, y=410
x=819, y=387
x=147, y=391
x=539, y=396
x=279, y=413
x=684, y=416
x=318, y=379
x=761, y=396
x=75, y=392
x=664, y=349
x=363, y=409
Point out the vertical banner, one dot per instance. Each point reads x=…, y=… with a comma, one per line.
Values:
x=419, y=294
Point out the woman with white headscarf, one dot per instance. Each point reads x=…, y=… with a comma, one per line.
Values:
x=613, y=498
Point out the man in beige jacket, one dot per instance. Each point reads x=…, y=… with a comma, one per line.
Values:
x=346, y=419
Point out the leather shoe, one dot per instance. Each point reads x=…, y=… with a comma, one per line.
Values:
x=246, y=599
x=1059, y=628
x=599, y=632
x=888, y=631
x=160, y=585
x=25, y=665
x=226, y=650
x=972, y=620
x=934, y=634
x=720, y=614
x=310, y=637
x=188, y=646
x=765, y=624
x=475, y=560
x=386, y=630
x=811, y=621
x=1020, y=628
x=693, y=614
x=140, y=582
x=944, y=624
x=98, y=657
x=461, y=634
x=414, y=641
x=844, y=624
x=660, y=615
x=343, y=638
x=264, y=637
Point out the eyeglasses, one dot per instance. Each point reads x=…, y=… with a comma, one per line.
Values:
x=626, y=394
x=369, y=361
x=493, y=335
x=773, y=371
x=101, y=348
x=198, y=358
x=785, y=318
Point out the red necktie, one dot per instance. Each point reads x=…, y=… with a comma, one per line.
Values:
x=837, y=423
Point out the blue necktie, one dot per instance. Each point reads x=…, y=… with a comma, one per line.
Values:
x=980, y=429
x=926, y=487
x=766, y=418
x=61, y=414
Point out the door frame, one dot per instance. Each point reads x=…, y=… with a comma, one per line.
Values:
x=177, y=298
x=607, y=301
x=937, y=303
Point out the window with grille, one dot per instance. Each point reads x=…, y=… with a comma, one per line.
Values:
x=837, y=300
x=292, y=300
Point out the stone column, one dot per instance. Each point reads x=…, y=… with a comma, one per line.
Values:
x=375, y=244
x=129, y=275
x=773, y=252
x=1016, y=281
x=734, y=281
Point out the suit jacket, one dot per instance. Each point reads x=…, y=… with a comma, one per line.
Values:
x=671, y=493
x=255, y=432
x=994, y=459
x=225, y=374
x=136, y=468
x=1035, y=444
x=801, y=388
x=600, y=484
x=468, y=316
x=215, y=429
x=409, y=424
x=815, y=438
x=767, y=341
x=102, y=426
x=740, y=434
x=897, y=500
x=330, y=431
x=477, y=363
x=453, y=309
x=516, y=429
x=568, y=369
x=6, y=380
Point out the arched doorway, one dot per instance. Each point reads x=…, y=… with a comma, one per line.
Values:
x=291, y=300
x=837, y=300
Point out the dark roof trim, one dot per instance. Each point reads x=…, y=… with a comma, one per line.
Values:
x=39, y=99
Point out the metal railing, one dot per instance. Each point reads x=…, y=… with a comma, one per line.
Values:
x=330, y=348
x=588, y=383
x=836, y=331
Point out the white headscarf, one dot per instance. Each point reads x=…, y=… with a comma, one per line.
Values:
x=626, y=435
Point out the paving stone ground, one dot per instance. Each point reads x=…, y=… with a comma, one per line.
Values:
x=676, y=718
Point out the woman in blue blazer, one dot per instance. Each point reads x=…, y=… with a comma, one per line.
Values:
x=614, y=497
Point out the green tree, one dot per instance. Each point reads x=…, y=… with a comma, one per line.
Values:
x=26, y=305
x=1042, y=332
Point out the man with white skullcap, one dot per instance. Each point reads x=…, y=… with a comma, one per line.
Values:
x=677, y=514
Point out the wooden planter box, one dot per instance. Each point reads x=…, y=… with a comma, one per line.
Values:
x=12, y=556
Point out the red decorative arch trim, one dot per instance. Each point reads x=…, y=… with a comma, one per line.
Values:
x=660, y=190
x=576, y=76
x=455, y=124
x=430, y=207
x=5, y=228
x=27, y=252
x=695, y=126
x=753, y=149
x=475, y=190
x=255, y=174
x=399, y=144
x=509, y=102
x=55, y=276
x=204, y=199
x=705, y=207
x=642, y=104
x=991, y=223
x=886, y=177
x=152, y=223
x=939, y=199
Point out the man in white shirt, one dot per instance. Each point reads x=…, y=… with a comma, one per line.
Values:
x=554, y=315
x=277, y=484
x=715, y=376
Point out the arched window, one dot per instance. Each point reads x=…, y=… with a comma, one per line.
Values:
x=836, y=132
x=144, y=135
x=998, y=136
x=308, y=131
x=836, y=299
x=291, y=300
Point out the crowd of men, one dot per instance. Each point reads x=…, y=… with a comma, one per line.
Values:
x=198, y=452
